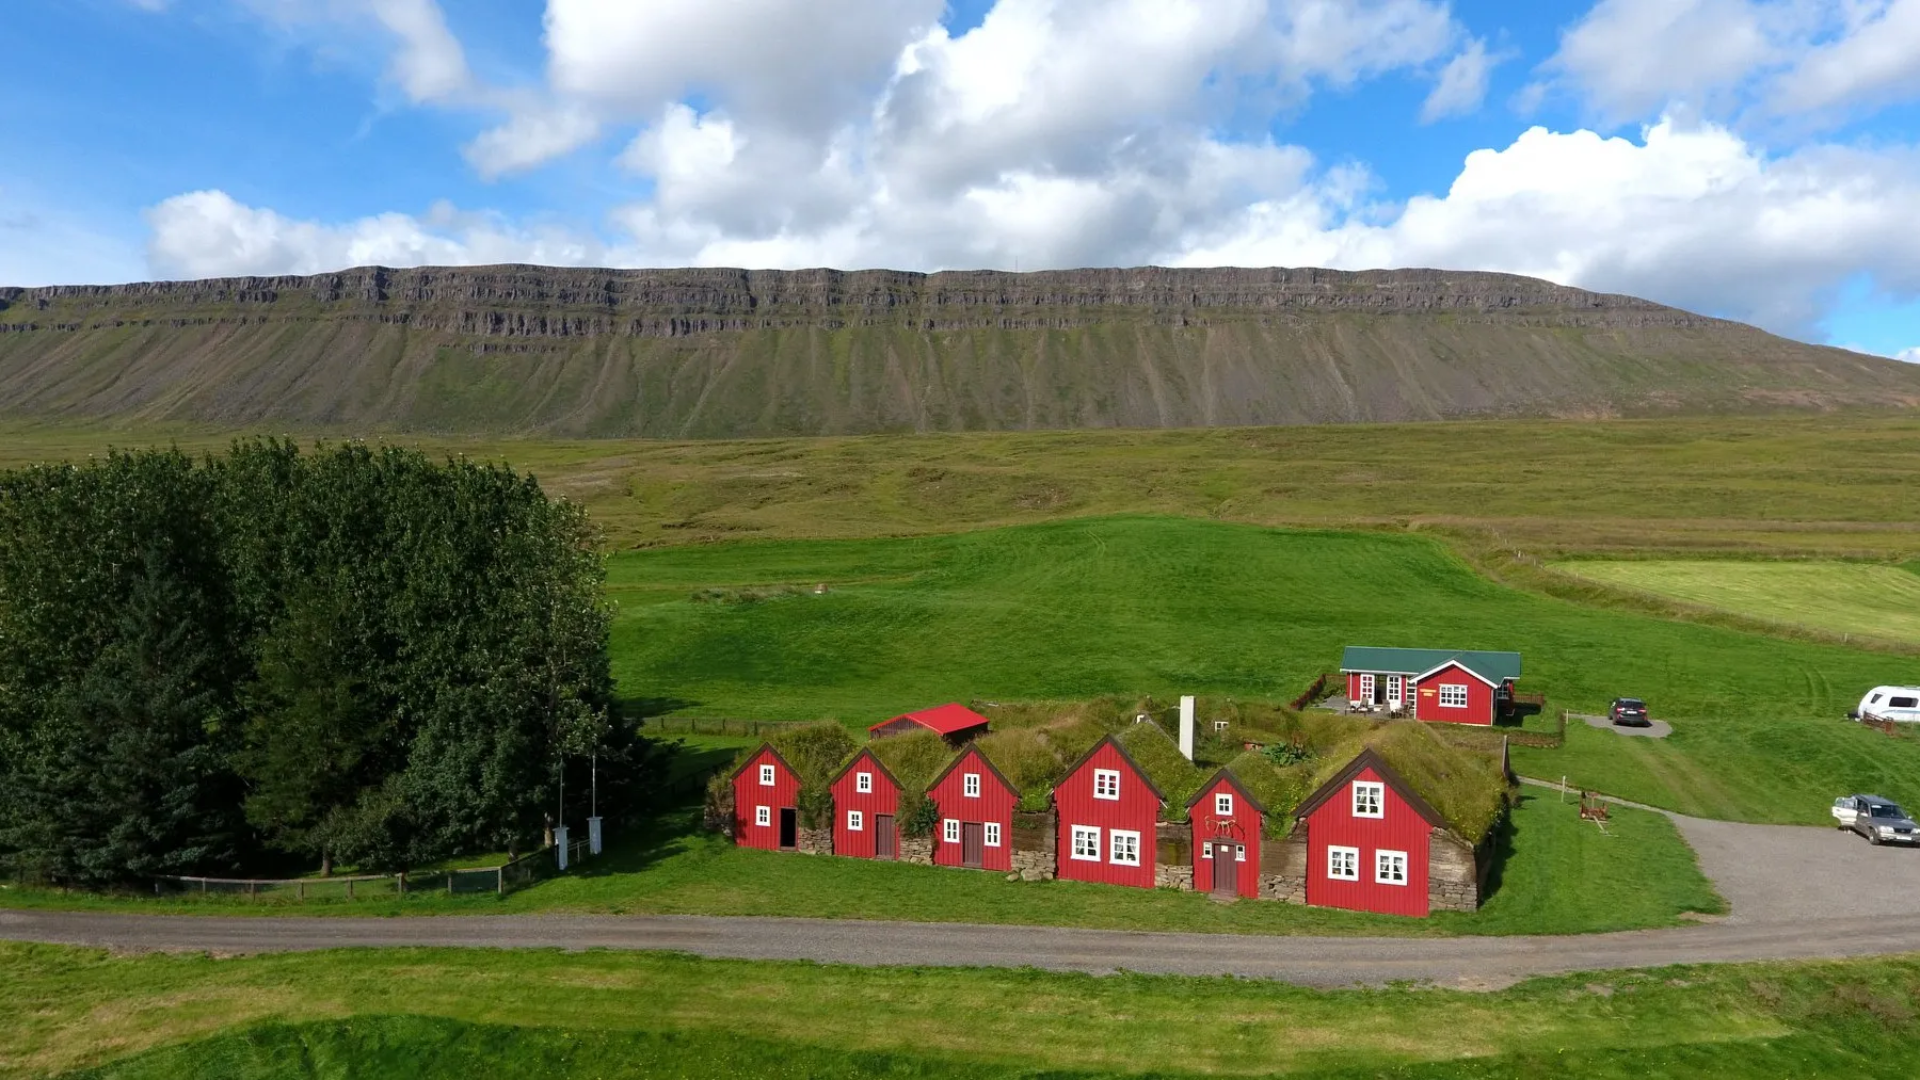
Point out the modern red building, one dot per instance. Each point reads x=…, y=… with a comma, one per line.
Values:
x=865, y=796
x=765, y=813
x=976, y=806
x=953, y=722
x=1107, y=809
x=1447, y=685
x=1226, y=821
x=1368, y=840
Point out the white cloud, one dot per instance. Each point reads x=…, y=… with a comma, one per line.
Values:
x=1462, y=85
x=1911, y=356
x=430, y=64
x=533, y=134
x=1876, y=59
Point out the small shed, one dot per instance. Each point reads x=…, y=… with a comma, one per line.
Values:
x=976, y=803
x=1108, y=809
x=766, y=791
x=1459, y=686
x=1227, y=822
x=953, y=722
x=865, y=797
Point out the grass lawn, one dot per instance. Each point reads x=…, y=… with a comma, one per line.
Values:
x=1865, y=599
x=1164, y=606
x=465, y=1013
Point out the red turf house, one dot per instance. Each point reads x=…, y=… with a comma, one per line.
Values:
x=1226, y=822
x=865, y=795
x=1368, y=840
x=976, y=813
x=1453, y=686
x=765, y=814
x=953, y=722
x=1107, y=809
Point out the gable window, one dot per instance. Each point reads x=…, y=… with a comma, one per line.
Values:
x=1106, y=783
x=1369, y=799
x=856, y=821
x=766, y=776
x=1343, y=863
x=992, y=831
x=1390, y=867
x=863, y=783
x=1086, y=843
x=970, y=785
x=950, y=831
x=762, y=816
x=1123, y=848
x=1453, y=696
x=1223, y=805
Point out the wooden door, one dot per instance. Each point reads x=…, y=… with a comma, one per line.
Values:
x=789, y=827
x=1226, y=872
x=973, y=844
x=883, y=837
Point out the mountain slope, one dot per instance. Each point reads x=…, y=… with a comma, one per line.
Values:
x=712, y=353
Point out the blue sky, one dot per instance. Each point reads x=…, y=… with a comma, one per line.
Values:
x=1750, y=158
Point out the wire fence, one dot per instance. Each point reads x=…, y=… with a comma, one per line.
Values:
x=686, y=725
x=499, y=880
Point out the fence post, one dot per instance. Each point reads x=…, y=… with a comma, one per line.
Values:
x=500, y=880
x=300, y=890
x=349, y=888
x=401, y=880
x=253, y=890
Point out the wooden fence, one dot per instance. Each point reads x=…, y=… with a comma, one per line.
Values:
x=687, y=725
x=499, y=880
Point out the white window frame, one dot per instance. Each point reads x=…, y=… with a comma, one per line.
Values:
x=950, y=831
x=1086, y=838
x=992, y=831
x=1449, y=691
x=1223, y=804
x=1366, y=689
x=1369, y=792
x=1343, y=863
x=1383, y=861
x=1106, y=784
x=863, y=783
x=856, y=821
x=970, y=785
x=1123, y=847
x=763, y=816
x=1239, y=853
x=766, y=776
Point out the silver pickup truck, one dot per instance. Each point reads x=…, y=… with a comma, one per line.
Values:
x=1880, y=820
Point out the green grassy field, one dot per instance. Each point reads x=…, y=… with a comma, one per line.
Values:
x=468, y=1013
x=1867, y=600
x=1164, y=606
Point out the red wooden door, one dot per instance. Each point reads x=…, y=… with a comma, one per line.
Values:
x=883, y=837
x=1226, y=872
x=973, y=844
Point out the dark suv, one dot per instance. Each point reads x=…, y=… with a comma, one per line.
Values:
x=1629, y=712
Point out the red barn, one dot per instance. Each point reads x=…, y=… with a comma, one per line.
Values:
x=865, y=795
x=1107, y=809
x=1226, y=836
x=976, y=813
x=1454, y=686
x=1368, y=840
x=953, y=722
x=765, y=814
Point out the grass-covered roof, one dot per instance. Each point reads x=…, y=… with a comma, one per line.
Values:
x=1468, y=788
x=914, y=759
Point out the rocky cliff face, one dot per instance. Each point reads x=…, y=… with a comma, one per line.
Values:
x=717, y=352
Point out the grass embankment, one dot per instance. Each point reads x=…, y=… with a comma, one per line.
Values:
x=1867, y=600
x=1163, y=606
x=427, y=1013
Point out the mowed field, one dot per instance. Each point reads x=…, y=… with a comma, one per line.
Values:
x=1865, y=600
x=1164, y=606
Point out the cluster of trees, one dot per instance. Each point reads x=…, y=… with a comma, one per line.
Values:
x=353, y=654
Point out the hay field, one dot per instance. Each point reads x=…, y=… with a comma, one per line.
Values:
x=1856, y=599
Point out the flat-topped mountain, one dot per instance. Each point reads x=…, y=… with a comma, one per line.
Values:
x=719, y=353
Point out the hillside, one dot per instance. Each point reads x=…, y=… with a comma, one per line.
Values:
x=718, y=353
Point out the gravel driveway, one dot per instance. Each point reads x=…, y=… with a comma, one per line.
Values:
x=1795, y=873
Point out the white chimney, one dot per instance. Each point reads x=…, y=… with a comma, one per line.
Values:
x=1186, y=726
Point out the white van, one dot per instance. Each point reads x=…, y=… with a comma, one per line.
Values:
x=1901, y=704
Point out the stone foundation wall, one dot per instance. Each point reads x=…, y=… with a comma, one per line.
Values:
x=1174, y=877
x=1035, y=852
x=1283, y=870
x=1453, y=874
x=813, y=841
x=1173, y=855
x=917, y=850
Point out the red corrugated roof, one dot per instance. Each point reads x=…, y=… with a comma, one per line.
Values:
x=945, y=719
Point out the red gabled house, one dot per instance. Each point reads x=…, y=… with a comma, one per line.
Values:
x=1226, y=821
x=953, y=722
x=1107, y=809
x=976, y=804
x=1448, y=685
x=865, y=795
x=1368, y=840
x=765, y=808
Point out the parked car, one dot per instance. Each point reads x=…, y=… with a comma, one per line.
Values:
x=1629, y=712
x=1880, y=820
x=1901, y=704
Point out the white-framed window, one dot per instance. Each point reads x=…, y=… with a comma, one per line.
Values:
x=1106, y=783
x=1206, y=851
x=970, y=785
x=1343, y=863
x=1239, y=853
x=1366, y=689
x=863, y=783
x=1223, y=805
x=1369, y=799
x=1086, y=843
x=856, y=821
x=992, y=831
x=1453, y=696
x=1221, y=725
x=763, y=816
x=1123, y=847
x=1390, y=867
x=950, y=830
x=766, y=776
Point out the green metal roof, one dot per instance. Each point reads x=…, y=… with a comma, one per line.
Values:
x=1495, y=667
